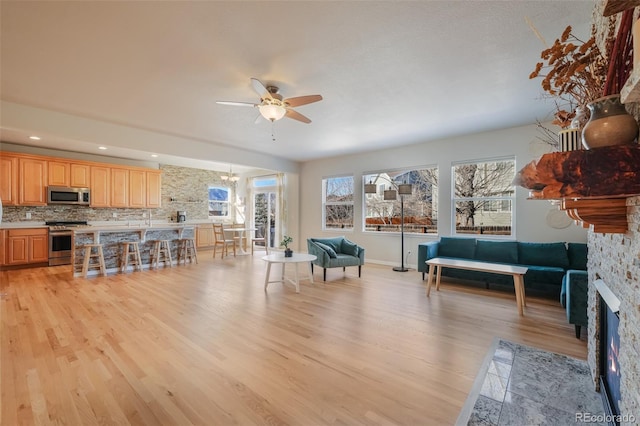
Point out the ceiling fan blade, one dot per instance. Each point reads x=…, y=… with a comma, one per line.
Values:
x=259, y=87
x=302, y=100
x=236, y=103
x=297, y=116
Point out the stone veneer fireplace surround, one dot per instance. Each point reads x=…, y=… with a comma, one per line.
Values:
x=616, y=259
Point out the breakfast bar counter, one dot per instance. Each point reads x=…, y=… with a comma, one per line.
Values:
x=111, y=236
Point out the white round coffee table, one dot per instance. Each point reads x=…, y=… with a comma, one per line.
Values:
x=296, y=258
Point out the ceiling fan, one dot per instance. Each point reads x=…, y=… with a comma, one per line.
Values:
x=272, y=106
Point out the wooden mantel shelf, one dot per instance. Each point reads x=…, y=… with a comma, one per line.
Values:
x=592, y=186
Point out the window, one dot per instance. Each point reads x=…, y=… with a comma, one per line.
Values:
x=337, y=195
x=218, y=201
x=484, y=197
x=420, y=208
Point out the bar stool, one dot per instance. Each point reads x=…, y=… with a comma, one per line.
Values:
x=126, y=255
x=93, y=260
x=187, y=250
x=161, y=252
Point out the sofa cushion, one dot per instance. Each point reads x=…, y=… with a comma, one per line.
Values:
x=349, y=248
x=577, y=253
x=330, y=251
x=464, y=248
x=549, y=275
x=543, y=254
x=497, y=251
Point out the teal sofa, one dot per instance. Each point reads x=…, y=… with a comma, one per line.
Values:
x=574, y=298
x=547, y=263
x=334, y=253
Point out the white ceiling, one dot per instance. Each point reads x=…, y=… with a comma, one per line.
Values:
x=391, y=73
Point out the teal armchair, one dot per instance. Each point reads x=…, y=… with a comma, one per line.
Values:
x=335, y=252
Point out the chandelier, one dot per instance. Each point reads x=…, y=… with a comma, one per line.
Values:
x=230, y=177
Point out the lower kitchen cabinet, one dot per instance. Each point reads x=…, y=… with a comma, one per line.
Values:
x=3, y=239
x=204, y=236
x=25, y=246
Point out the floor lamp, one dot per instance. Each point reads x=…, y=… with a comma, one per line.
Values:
x=390, y=194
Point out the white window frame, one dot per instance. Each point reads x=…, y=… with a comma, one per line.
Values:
x=326, y=203
x=510, y=198
x=384, y=183
x=228, y=202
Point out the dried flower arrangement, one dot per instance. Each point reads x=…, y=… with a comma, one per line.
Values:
x=575, y=74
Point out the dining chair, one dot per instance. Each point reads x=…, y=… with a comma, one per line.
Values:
x=259, y=241
x=221, y=240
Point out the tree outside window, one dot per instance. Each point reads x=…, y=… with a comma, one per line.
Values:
x=218, y=201
x=420, y=208
x=484, y=197
x=337, y=193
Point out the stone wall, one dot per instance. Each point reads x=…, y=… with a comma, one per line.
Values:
x=183, y=188
x=615, y=258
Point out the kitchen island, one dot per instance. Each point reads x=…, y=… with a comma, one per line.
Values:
x=110, y=237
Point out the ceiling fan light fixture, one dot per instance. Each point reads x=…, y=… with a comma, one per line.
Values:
x=272, y=112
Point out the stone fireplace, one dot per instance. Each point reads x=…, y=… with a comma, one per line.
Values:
x=615, y=259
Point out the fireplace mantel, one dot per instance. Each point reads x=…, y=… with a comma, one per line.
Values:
x=591, y=186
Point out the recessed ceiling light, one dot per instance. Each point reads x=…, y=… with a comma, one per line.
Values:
x=35, y=138
x=102, y=147
x=154, y=155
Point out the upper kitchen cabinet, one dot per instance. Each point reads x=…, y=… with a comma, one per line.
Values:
x=154, y=185
x=80, y=175
x=32, y=178
x=119, y=187
x=100, y=186
x=137, y=188
x=8, y=180
x=58, y=173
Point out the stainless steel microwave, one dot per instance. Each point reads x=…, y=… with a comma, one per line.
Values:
x=66, y=195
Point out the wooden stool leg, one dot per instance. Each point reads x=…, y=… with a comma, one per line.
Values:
x=103, y=268
x=85, y=263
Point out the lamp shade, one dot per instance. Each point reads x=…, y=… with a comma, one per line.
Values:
x=405, y=189
x=370, y=188
x=390, y=194
x=272, y=112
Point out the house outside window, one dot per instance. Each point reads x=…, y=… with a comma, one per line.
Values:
x=337, y=203
x=420, y=208
x=219, y=202
x=484, y=197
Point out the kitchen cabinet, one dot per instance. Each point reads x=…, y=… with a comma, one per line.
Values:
x=154, y=189
x=24, y=179
x=80, y=175
x=204, y=236
x=100, y=186
x=119, y=187
x=8, y=179
x=137, y=188
x=3, y=239
x=32, y=180
x=25, y=246
x=59, y=173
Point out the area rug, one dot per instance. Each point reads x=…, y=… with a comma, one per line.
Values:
x=521, y=385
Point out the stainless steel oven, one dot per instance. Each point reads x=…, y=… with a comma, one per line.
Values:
x=61, y=241
x=60, y=247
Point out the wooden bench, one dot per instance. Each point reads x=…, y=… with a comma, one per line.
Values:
x=517, y=272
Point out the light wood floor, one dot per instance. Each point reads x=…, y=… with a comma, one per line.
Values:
x=203, y=344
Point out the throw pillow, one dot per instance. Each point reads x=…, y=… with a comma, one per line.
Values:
x=349, y=248
x=331, y=252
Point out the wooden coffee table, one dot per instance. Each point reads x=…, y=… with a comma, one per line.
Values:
x=296, y=259
x=517, y=272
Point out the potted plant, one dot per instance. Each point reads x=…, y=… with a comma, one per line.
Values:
x=285, y=242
